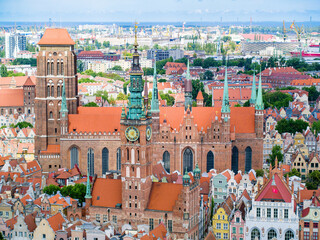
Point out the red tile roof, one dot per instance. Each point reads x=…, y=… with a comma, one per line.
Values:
x=11, y=97
x=163, y=196
x=56, y=222
x=159, y=232
x=56, y=36
x=200, y=96
x=107, y=192
x=52, y=149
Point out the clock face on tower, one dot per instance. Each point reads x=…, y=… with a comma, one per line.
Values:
x=132, y=133
x=148, y=133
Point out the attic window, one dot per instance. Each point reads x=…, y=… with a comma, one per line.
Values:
x=116, y=129
x=74, y=129
x=98, y=198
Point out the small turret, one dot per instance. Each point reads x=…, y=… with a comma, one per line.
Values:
x=259, y=102
x=225, y=100
x=186, y=179
x=197, y=172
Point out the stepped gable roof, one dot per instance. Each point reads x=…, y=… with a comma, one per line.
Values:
x=163, y=196
x=56, y=221
x=242, y=119
x=200, y=96
x=56, y=36
x=107, y=192
x=279, y=192
x=11, y=97
x=95, y=119
x=159, y=232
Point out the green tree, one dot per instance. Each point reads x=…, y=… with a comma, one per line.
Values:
x=198, y=62
x=291, y=126
x=182, y=60
x=117, y=68
x=78, y=191
x=275, y=153
x=23, y=124
x=293, y=172
x=148, y=71
x=246, y=104
x=51, y=189
x=313, y=93
x=168, y=98
x=316, y=127
x=208, y=75
x=259, y=173
x=122, y=96
x=196, y=87
x=1, y=236
x=226, y=38
x=237, y=105
x=277, y=99
x=313, y=180
x=86, y=80
x=111, y=100
x=3, y=71
x=106, y=44
x=103, y=94
x=162, y=80
x=91, y=104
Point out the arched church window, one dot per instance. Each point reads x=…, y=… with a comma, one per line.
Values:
x=58, y=91
x=248, y=162
x=272, y=234
x=74, y=157
x=289, y=235
x=118, y=159
x=52, y=91
x=105, y=160
x=210, y=161
x=166, y=161
x=188, y=160
x=255, y=234
x=52, y=72
x=90, y=161
x=235, y=160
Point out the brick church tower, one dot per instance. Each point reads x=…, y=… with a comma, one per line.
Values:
x=56, y=65
x=136, y=160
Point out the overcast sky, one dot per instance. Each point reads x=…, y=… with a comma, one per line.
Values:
x=158, y=10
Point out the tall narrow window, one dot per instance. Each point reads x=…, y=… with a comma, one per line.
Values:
x=188, y=160
x=48, y=91
x=48, y=68
x=105, y=160
x=128, y=154
x=210, y=161
x=52, y=72
x=248, y=162
x=235, y=160
x=58, y=91
x=74, y=157
x=62, y=70
x=52, y=91
x=118, y=159
x=166, y=161
x=50, y=115
x=58, y=68
x=90, y=160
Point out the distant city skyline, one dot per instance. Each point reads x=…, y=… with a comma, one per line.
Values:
x=163, y=11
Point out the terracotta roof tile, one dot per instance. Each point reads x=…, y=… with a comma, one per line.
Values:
x=163, y=196
x=56, y=222
x=56, y=36
x=52, y=149
x=200, y=96
x=159, y=232
x=107, y=192
x=30, y=221
x=11, y=97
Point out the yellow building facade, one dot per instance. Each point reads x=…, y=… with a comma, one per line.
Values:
x=220, y=224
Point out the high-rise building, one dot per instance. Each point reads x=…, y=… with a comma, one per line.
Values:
x=15, y=43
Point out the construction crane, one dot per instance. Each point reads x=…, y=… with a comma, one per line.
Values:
x=298, y=30
x=284, y=32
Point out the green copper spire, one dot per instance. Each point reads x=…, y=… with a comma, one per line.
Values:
x=154, y=99
x=88, y=191
x=64, y=108
x=253, y=90
x=188, y=90
x=136, y=85
x=225, y=100
x=259, y=102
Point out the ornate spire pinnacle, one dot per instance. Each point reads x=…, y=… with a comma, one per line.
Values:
x=253, y=90
x=88, y=190
x=64, y=108
x=259, y=102
x=135, y=34
x=188, y=89
x=154, y=99
x=225, y=100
